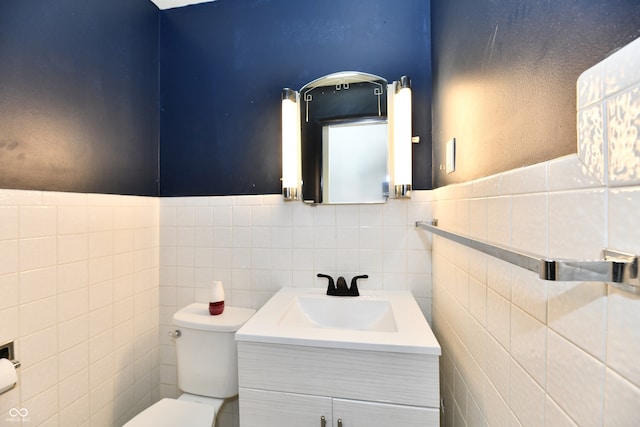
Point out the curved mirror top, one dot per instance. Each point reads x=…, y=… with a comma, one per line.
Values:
x=343, y=77
x=344, y=135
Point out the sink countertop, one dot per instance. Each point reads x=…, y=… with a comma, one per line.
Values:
x=413, y=333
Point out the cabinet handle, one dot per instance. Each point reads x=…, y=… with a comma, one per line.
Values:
x=339, y=422
x=323, y=421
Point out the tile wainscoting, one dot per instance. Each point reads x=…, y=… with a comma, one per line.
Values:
x=79, y=296
x=521, y=351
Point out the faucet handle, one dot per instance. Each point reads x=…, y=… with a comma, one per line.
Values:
x=353, y=289
x=331, y=288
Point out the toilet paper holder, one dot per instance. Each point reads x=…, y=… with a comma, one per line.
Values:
x=6, y=352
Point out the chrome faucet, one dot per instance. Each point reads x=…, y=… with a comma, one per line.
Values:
x=341, y=290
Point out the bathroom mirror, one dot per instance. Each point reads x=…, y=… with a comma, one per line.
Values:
x=344, y=139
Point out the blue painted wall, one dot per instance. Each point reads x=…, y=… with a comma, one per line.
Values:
x=224, y=64
x=79, y=96
x=504, y=77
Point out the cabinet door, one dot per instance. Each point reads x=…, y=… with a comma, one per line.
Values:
x=368, y=414
x=261, y=408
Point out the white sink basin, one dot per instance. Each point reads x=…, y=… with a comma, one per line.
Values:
x=320, y=311
x=375, y=320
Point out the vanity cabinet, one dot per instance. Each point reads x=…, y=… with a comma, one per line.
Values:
x=297, y=385
x=274, y=409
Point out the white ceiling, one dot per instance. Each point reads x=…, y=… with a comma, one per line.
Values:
x=168, y=4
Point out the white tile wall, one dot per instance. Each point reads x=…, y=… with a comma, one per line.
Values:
x=257, y=244
x=555, y=354
x=78, y=296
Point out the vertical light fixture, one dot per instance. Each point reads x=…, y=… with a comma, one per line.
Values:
x=402, y=138
x=290, y=144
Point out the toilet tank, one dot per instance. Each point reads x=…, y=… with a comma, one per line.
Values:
x=206, y=351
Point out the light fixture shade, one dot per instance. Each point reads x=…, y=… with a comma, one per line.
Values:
x=402, y=138
x=290, y=144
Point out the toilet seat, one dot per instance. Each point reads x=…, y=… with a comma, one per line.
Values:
x=174, y=412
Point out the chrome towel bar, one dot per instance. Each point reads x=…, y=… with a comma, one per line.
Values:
x=617, y=268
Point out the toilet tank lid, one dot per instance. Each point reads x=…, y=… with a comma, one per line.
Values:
x=196, y=316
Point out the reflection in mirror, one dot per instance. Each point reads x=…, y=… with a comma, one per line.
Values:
x=345, y=139
x=354, y=162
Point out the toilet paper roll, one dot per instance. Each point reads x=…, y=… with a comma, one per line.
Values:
x=8, y=375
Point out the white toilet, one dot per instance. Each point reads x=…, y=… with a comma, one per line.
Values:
x=207, y=365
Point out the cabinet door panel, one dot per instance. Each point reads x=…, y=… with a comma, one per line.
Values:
x=261, y=408
x=368, y=414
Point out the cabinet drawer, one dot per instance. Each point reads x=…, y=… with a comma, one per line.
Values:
x=260, y=408
x=355, y=413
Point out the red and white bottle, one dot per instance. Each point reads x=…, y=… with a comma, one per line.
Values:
x=216, y=302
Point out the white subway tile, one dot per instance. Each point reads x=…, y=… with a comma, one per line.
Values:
x=529, y=226
x=37, y=378
x=101, y=309
x=621, y=69
x=529, y=179
x=77, y=413
x=124, y=241
x=578, y=311
x=527, y=398
x=100, y=269
x=43, y=407
x=590, y=86
x=575, y=380
x=556, y=417
x=577, y=221
x=592, y=145
x=572, y=173
x=38, y=221
x=39, y=346
x=73, y=304
x=623, y=334
x=496, y=408
x=20, y=197
x=38, y=315
x=73, y=360
x=499, y=220
x=529, y=292
x=394, y=212
x=478, y=218
x=348, y=237
x=9, y=289
x=241, y=216
x=261, y=216
x=346, y=215
x=37, y=284
x=203, y=237
x=9, y=222
x=223, y=216
x=498, y=318
x=478, y=300
x=36, y=253
x=241, y=237
x=623, y=137
x=499, y=276
x=8, y=257
x=73, y=248
x=371, y=238
x=72, y=276
x=73, y=388
x=369, y=215
x=529, y=344
x=624, y=203
x=621, y=399
x=73, y=332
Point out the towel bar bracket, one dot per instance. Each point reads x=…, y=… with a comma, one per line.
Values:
x=618, y=268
